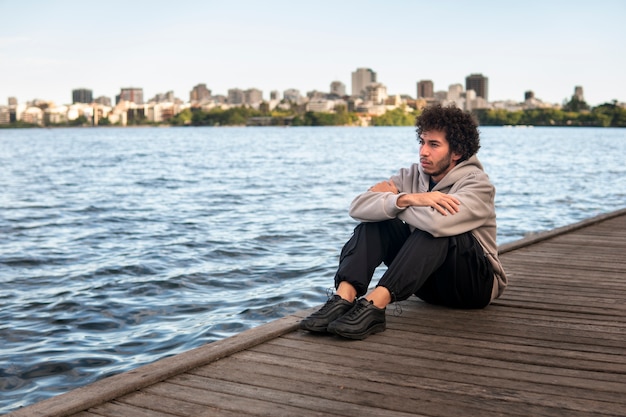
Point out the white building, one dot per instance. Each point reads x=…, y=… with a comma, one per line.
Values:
x=376, y=93
x=5, y=115
x=160, y=112
x=320, y=105
x=454, y=92
x=56, y=115
x=292, y=95
x=33, y=115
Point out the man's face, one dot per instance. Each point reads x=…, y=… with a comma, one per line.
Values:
x=435, y=156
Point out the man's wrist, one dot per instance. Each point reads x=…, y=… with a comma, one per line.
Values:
x=404, y=200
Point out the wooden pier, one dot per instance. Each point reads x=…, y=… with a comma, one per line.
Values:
x=553, y=345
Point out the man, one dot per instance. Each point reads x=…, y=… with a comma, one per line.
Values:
x=433, y=225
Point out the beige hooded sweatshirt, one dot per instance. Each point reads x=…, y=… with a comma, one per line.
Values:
x=468, y=182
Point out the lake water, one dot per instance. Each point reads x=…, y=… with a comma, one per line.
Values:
x=122, y=246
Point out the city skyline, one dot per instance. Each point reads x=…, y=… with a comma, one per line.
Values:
x=546, y=47
x=263, y=96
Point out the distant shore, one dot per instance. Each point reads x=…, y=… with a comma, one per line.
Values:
x=605, y=115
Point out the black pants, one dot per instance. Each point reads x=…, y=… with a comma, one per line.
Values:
x=451, y=271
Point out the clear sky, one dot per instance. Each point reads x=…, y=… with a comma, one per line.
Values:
x=49, y=47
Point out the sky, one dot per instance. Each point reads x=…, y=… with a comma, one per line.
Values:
x=48, y=48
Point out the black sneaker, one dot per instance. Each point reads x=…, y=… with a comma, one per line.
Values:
x=361, y=321
x=334, y=308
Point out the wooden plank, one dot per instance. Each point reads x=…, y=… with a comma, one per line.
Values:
x=378, y=353
x=540, y=237
x=353, y=392
x=113, y=387
x=114, y=409
x=431, y=396
x=553, y=345
x=167, y=404
x=254, y=400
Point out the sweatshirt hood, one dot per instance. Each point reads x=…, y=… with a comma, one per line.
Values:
x=459, y=171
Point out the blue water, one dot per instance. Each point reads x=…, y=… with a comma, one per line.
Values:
x=121, y=246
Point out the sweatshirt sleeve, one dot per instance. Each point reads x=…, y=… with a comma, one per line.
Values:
x=476, y=195
x=374, y=206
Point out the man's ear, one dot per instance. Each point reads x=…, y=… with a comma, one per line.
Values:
x=456, y=157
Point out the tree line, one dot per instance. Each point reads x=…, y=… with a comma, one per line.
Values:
x=573, y=113
x=604, y=115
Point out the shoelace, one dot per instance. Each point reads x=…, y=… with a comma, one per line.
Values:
x=397, y=308
x=356, y=310
x=330, y=291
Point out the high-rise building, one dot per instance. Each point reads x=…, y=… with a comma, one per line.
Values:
x=454, y=92
x=361, y=78
x=338, y=88
x=235, y=96
x=82, y=95
x=199, y=94
x=478, y=83
x=578, y=93
x=12, y=101
x=252, y=96
x=132, y=94
x=291, y=94
x=425, y=89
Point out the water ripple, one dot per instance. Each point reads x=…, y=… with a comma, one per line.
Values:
x=122, y=246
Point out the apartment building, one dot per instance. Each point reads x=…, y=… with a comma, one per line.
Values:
x=253, y=97
x=5, y=115
x=361, y=78
x=478, y=83
x=235, y=97
x=337, y=88
x=199, y=94
x=425, y=89
x=376, y=93
x=82, y=95
x=292, y=95
x=131, y=94
x=104, y=101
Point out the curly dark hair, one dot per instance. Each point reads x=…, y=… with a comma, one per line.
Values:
x=460, y=127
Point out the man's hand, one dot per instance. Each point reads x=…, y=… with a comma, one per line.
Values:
x=443, y=203
x=384, y=187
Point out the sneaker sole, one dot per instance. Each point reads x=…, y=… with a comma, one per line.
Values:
x=314, y=329
x=360, y=336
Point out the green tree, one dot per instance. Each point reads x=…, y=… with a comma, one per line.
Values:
x=104, y=121
x=395, y=117
x=79, y=121
x=183, y=118
x=575, y=104
x=610, y=114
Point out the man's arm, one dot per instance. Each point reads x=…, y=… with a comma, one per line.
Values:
x=475, y=195
x=441, y=202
